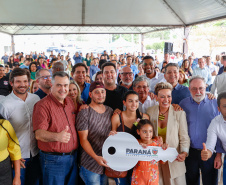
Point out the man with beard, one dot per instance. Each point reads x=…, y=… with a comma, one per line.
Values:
x=199, y=112
x=17, y=107
x=94, y=125
x=126, y=75
x=149, y=70
x=43, y=78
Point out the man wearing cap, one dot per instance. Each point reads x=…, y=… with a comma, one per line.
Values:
x=94, y=125
x=54, y=126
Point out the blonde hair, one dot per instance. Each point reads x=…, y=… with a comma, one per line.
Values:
x=32, y=85
x=79, y=98
x=163, y=85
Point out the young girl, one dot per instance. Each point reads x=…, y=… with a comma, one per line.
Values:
x=146, y=172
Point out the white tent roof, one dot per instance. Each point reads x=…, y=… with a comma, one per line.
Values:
x=104, y=16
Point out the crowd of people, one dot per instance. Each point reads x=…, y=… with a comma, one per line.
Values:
x=57, y=111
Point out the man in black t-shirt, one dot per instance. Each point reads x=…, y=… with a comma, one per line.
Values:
x=5, y=87
x=114, y=93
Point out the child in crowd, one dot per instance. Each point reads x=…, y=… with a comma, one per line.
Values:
x=146, y=172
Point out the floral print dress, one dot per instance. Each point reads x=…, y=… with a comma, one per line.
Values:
x=146, y=172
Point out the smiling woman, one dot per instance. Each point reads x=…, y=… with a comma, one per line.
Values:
x=172, y=126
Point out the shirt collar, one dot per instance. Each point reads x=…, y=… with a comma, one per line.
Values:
x=204, y=100
x=177, y=87
x=16, y=97
x=156, y=75
x=57, y=102
x=147, y=99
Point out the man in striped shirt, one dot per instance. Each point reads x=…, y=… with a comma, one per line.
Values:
x=94, y=125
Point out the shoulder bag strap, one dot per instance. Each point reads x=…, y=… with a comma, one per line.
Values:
x=122, y=121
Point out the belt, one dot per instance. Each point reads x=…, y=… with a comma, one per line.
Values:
x=57, y=153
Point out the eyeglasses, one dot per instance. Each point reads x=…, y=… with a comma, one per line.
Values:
x=194, y=89
x=46, y=77
x=125, y=74
x=144, y=87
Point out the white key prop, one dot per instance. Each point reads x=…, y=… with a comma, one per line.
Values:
x=122, y=152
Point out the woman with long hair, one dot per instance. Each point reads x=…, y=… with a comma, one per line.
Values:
x=186, y=67
x=10, y=63
x=75, y=95
x=183, y=79
x=33, y=69
x=124, y=122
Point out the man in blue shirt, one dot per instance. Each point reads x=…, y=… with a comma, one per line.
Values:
x=199, y=112
x=5, y=58
x=26, y=64
x=78, y=73
x=172, y=76
x=203, y=72
x=94, y=68
x=43, y=78
x=223, y=61
x=77, y=58
x=133, y=67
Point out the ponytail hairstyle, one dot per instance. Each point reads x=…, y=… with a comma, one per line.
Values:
x=138, y=125
x=134, y=93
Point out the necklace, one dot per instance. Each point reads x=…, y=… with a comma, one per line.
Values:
x=162, y=115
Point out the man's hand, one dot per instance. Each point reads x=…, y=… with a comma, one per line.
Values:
x=101, y=161
x=176, y=107
x=84, y=106
x=211, y=96
x=217, y=161
x=205, y=154
x=64, y=136
x=22, y=163
x=117, y=111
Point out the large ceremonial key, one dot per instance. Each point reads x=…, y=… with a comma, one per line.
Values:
x=122, y=152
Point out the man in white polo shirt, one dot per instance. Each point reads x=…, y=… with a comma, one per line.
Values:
x=217, y=129
x=149, y=70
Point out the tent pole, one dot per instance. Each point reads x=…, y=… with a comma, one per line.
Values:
x=12, y=45
x=185, y=40
x=142, y=43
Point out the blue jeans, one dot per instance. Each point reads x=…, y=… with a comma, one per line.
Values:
x=91, y=178
x=194, y=163
x=59, y=169
x=31, y=175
